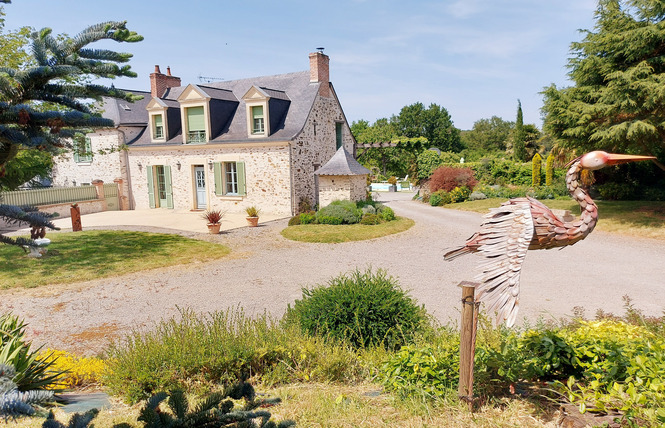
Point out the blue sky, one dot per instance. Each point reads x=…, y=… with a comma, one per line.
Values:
x=473, y=57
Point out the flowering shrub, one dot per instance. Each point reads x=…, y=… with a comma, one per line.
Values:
x=447, y=178
x=459, y=194
x=80, y=371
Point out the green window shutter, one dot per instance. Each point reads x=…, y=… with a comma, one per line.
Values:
x=169, y=189
x=195, y=119
x=219, y=184
x=338, y=134
x=76, y=154
x=151, y=188
x=240, y=168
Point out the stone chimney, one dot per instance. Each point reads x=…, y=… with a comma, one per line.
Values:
x=319, y=72
x=159, y=82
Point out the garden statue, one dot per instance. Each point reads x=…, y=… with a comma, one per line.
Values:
x=523, y=224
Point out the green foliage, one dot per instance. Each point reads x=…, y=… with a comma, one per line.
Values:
x=338, y=212
x=363, y=308
x=459, y=194
x=307, y=217
x=435, y=198
x=429, y=160
x=617, y=191
x=549, y=170
x=295, y=220
x=488, y=135
x=27, y=167
x=30, y=371
x=618, y=76
x=432, y=371
x=197, y=352
x=386, y=213
x=536, y=169
x=519, y=136
x=433, y=123
x=215, y=410
x=370, y=219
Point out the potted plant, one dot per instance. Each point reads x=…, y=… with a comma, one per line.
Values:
x=214, y=219
x=252, y=216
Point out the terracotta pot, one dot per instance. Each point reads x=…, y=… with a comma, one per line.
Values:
x=214, y=228
x=253, y=221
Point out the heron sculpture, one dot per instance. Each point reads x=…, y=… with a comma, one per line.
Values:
x=523, y=224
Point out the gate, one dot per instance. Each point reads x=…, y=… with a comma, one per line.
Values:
x=111, y=196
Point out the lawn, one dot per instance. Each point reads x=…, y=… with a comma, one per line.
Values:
x=327, y=234
x=84, y=256
x=644, y=219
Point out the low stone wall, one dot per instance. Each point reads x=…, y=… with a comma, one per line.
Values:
x=63, y=210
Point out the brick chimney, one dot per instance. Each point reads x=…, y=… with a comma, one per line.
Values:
x=159, y=82
x=319, y=72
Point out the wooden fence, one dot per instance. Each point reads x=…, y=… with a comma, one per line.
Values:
x=50, y=196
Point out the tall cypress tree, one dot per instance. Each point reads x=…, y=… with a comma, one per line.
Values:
x=60, y=79
x=519, y=149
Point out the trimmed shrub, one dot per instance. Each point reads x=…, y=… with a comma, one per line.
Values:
x=446, y=178
x=387, y=213
x=368, y=209
x=370, y=219
x=308, y=217
x=339, y=212
x=362, y=308
x=536, y=169
x=295, y=220
x=477, y=196
x=435, y=200
x=549, y=170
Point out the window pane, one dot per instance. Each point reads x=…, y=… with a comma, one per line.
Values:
x=231, y=177
x=257, y=120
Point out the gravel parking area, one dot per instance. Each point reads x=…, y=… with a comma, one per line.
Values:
x=265, y=272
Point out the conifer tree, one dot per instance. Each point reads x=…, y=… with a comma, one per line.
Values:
x=519, y=149
x=536, y=169
x=59, y=75
x=616, y=103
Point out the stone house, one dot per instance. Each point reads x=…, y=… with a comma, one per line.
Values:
x=224, y=145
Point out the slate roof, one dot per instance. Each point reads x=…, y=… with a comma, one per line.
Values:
x=294, y=90
x=342, y=163
x=124, y=113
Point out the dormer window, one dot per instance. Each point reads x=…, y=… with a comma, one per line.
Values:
x=196, y=129
x=258, y=120
x=158, y=127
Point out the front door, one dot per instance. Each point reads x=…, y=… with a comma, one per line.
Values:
x=200, y=180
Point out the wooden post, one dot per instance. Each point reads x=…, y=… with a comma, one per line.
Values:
x=75, y=212
x=467, y=348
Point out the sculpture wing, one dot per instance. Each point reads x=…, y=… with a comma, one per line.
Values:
x=504, y=240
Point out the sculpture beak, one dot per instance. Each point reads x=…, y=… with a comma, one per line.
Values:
x=616, y=159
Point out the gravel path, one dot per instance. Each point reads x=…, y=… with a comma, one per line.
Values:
x=265, y=272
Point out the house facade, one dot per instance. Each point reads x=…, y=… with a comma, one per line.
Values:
x=224, y=145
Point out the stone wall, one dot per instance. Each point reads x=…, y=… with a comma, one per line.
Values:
x=266, y=175
x=106, y=167
x=341, y=187
x=315, y=146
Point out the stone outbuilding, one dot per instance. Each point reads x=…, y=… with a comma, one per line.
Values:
x=224, y=145
x=342, y=178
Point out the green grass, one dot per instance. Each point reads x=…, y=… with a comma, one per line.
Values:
x=645, y=219
x=84, y=256
x=327, y=234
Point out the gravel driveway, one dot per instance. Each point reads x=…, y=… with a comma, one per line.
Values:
x=265, y=272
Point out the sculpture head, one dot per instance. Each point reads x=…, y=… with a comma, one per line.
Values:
x=599, y=159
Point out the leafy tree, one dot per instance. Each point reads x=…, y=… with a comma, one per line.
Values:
x=488, y=134
x=13, y=52
x=62, y=67
x=26, y=167
x=433, y=123
x=519, y=136
x=618, y=71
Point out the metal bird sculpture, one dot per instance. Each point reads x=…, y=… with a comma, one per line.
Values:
x=523, y=224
